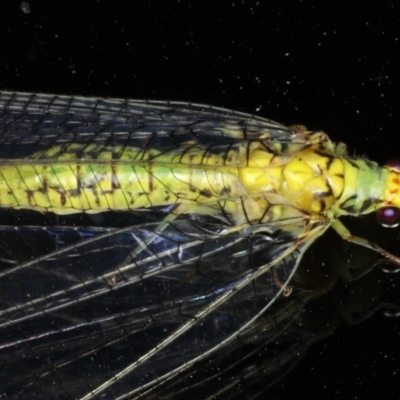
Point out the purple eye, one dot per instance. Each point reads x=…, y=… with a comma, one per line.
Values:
x=388, y=217
x=394, y=163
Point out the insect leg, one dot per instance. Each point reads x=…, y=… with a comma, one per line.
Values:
x=347, y=235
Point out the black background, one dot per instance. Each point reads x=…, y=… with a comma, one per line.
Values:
x=328, y=66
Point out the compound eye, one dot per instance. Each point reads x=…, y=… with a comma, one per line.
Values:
x=394, y=163
x=389, y=217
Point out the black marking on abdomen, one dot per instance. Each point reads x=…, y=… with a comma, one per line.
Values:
x=205, y=193
x=78, y=177
x=225, y=191
x=30, y=194
x=74, y=192
x=114, y=179
x=150, y=179
x=45, y=186
x=63, y=197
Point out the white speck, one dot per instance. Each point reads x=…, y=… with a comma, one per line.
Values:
x=25, y=7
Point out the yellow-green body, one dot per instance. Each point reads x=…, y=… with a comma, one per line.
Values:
x=251, y=181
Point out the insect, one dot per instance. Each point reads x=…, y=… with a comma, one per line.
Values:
x=143, y=238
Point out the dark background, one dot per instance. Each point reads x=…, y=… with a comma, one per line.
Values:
x=325, y=65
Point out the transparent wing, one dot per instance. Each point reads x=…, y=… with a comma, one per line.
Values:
x=79, y=310
x=31, y=124
x=121, y=304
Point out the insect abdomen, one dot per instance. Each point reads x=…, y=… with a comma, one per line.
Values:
x=92, y=186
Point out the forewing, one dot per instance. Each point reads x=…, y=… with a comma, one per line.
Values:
x=79, y=307
x=32, y=123
x=118, y=304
